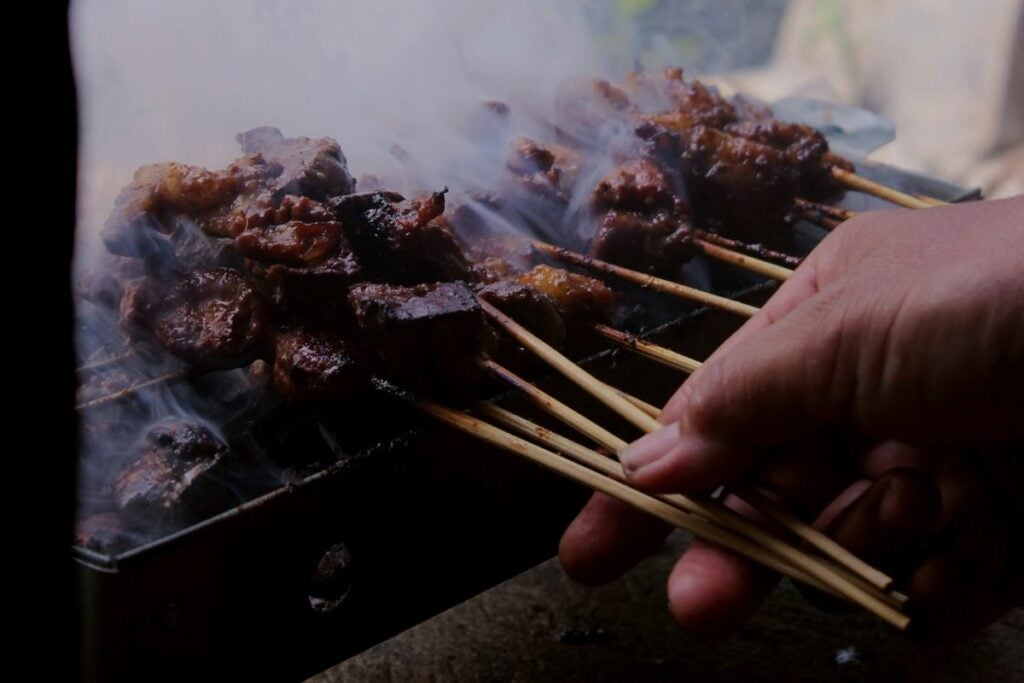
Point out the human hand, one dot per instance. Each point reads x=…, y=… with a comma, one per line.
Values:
x=880, y=392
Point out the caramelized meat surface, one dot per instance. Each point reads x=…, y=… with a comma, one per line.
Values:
x=529, y=307
x=318, y=365
x=423, y=335
x=548, y=170
x=582, y=300
x=401, y=242
x=176, y=479
x=211, y=318
x=805, y=148
x=314, y=167
x=657, y=243
x=739, y=187
x=637, y=185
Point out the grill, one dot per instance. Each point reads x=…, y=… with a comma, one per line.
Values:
x=407, y=520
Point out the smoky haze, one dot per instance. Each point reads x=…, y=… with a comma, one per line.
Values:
x=163, y=81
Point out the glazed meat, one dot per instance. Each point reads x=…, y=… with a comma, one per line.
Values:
x=805, y=148
x=318, y=365
x=548, y=170
x=177, y=216
x=657, y=243
x=739, y=187
x=314, y=167
x=178, y=478
x=528, y=306
x=423, y=335
x=637, y=185
x=669, y=92
x=211, y=318
x=313, y=292
x=103, y=532
x=401, y=242
x=294, y=243
x=582, y=300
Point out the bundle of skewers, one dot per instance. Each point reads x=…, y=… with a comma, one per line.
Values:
x=278, y=266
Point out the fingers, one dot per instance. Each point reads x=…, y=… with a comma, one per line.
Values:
x=780, y=385
x=713, y=592
x=606, y=539
x=960, y=588
x=887, y=524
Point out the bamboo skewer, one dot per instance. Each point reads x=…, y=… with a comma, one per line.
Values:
x=645, y=280
x=817, y=539
x=103, y=362
x=608, y=484
x=754, y=265
x=553, y=406
x=653, y=411
x=862, y=184
x=646, y=348
x=796, y=526
x=576, y=374
x=710, y=510
x=757, y=250
x=128, y=391
x=836, y=212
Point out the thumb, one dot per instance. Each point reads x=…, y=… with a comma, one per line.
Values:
x=781, y=384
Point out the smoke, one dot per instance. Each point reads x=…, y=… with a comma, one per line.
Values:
x=163, y=81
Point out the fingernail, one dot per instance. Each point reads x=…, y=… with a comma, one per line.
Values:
x=649, y=448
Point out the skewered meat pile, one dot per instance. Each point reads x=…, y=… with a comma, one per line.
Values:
x=275, y=263
x=330, y=287
x=685, y=158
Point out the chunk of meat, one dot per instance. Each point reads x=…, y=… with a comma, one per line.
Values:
x=637, y=185
x=427, y=335
x=402, y=243
x=318, y=365
x=212, y=318
x=657, y=243
x=314, y=167
x=739, y=187
x=582, y=300
x=530, y=307
x=177, y=480
x=805, y=148
x=549, y=170
x=294, y=242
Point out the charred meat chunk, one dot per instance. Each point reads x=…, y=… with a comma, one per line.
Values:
x=402, y=243
x=657, y=243
x=423, y=334
x=805, y=148
x=548, y=170
x=668, y=91
x=211, y=318
x=314, y=167
x=294, y=242
x=739, y=187
x=103, y=532
x=582, y=300
x=637, y=185
x=318, y=365
x=176, y=480
x=530, y=307
x=172, y=215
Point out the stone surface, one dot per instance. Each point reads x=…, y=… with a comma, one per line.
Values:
x=540, y=626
